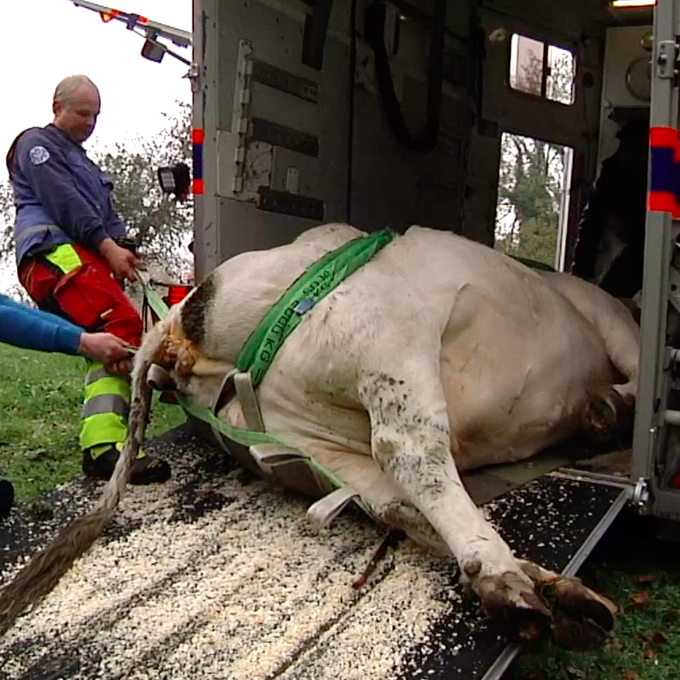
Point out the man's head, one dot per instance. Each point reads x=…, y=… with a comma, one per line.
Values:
x=76, y=106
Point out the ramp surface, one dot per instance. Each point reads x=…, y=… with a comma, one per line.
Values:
x=216, y=575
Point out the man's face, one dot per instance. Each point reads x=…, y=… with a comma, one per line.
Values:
x=78, y=116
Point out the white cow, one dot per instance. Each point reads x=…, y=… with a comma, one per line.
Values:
x=439, y=355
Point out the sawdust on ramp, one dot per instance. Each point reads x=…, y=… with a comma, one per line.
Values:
x=216, y=575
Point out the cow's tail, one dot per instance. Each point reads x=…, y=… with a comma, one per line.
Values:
x=44, y=570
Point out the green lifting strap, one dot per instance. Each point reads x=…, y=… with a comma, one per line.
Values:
x=313, y=285
x=239, y=435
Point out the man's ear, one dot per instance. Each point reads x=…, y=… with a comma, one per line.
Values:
x=56, y=108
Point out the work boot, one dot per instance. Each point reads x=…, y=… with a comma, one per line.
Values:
x=99, y=462
x=6, y=496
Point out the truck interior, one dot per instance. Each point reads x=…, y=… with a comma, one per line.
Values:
x=407, y=121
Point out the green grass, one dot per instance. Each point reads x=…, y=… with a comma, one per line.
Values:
x=40, y=400
x=40, y=397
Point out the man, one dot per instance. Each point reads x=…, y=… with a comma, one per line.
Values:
x=610, y=247
x=33, y=329
x=70, y=244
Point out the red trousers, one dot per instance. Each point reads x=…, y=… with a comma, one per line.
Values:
x=88, y=296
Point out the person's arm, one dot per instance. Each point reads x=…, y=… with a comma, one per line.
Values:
x=594, y=218
x=45, y=169
x=34, y=329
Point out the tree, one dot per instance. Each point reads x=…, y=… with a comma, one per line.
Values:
x=529, y=193
x=161, y=226
x=6, y=221
x=532, y=172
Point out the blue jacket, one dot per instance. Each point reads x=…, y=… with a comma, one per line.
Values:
x=60, y=195
x=33, y=329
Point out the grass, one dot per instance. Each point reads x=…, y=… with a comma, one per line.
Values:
x=40, y=401
x=40, y=396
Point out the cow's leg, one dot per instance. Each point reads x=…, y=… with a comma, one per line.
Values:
x=611, y=408
x=609, y=411
x=412, y=442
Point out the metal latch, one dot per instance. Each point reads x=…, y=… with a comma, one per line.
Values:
x=666, y=59
x=193, y=75
x=642, y=496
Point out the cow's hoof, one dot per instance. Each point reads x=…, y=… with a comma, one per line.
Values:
x=608, y=416
x=513, y=603
x=581, y=618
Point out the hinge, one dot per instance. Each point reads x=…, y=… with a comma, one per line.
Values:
x=667, y=59
x=240, y=123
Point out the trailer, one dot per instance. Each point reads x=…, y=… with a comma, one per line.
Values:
x=391, y=113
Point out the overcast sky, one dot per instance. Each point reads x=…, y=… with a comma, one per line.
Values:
x=45, y=40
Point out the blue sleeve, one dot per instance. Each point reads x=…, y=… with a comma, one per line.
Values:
x=33, y=329
x=52, y=182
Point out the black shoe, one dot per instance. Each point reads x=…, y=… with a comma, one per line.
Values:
x=6, y=497
x=145, y=470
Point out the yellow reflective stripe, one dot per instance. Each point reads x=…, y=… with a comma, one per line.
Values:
x=97, y=374
x=102, y=428
x=97, y=451
x=108, y=385
x=65, y=257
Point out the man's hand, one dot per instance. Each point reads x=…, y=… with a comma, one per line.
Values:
x=103, y=347
x=122, y=261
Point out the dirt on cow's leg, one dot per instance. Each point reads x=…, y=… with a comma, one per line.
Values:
x=608, y=416
x=411, y=442
x=580, y=617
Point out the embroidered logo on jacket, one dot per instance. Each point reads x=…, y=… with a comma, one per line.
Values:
x=38, y=155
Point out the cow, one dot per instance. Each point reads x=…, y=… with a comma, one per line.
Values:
x=439, y=355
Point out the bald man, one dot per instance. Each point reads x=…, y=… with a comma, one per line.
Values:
x=70, y=247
